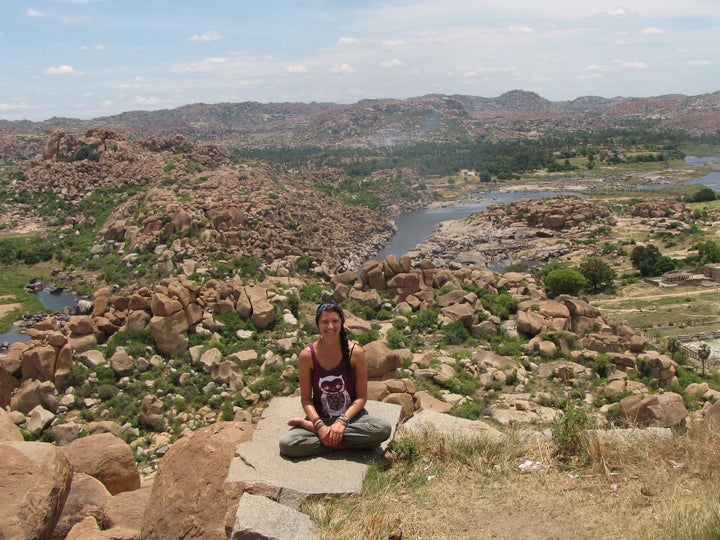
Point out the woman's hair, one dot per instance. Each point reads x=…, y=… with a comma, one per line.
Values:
x=337, y=308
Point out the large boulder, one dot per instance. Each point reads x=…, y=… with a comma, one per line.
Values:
x=381, y=360
x=34, y=483
x=188, y=499
x=106, y=457
x=126, y=509
x=87, y=497
x=170, y=333
x=659, y=410
x=8, y=430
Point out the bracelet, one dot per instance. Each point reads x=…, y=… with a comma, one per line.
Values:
x=343, y=419
x=315, y=424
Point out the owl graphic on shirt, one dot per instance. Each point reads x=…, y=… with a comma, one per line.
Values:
x=334, y=396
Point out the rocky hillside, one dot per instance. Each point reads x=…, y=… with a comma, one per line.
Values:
x=392, y=121
x=191, y=205
x=119, y=385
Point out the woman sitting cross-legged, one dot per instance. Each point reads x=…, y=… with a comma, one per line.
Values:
x=333, y=390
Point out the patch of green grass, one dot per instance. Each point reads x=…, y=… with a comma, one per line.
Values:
x=12, y=280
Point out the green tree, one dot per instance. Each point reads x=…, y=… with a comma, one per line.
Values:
x=704, y=194
x=599, y=275
x=564, y=281
x=650, y=262
x=708, y=252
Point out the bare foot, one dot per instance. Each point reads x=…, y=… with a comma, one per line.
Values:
x=302, y=422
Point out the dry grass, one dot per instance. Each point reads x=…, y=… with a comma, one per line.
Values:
x=647, y=488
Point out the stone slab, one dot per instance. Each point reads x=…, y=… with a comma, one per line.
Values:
x=260, y=469
x=425, y=423
x=259, y=517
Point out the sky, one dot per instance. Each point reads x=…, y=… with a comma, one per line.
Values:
x=92, y=58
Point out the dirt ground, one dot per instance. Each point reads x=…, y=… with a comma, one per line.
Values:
x=7, y=308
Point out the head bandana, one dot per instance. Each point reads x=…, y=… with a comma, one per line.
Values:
x=329, y=306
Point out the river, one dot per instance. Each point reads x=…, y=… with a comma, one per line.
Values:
x=414, y=227
x=54, y=300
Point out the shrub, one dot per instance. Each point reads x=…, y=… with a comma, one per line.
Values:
x=470, y=409
x=135, y=342
x=403, y=449
x=463, y=383
x=424, y=319
x=602, y=365
x=106, y=391
x=570, y=433
x=455, y=333
x=395, y=339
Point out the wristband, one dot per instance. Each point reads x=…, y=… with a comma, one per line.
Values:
x=344, y=420
x=317, y=427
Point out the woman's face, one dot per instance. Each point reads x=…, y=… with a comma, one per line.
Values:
x=329, y=323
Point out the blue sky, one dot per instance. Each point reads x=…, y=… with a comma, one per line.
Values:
x=90, y=58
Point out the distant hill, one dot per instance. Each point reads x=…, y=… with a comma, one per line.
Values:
x=381, y=122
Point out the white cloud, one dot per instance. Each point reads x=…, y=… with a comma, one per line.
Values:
x=393, y=43
x=631, y=64
x=139, y=100
x=296, y=69
x=618, y=12
x=521, y=30
x=34, y=13
x=20, y=106
x=63, y=70
x=95, y=47
x=205, y=37
x=343, y=69
x=652, y=31
x=699, y=62
x=348, y=41
x=206, y=64
x=391, y=63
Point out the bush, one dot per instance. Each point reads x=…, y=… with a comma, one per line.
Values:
x=570, y=434
x=135, y=342
x=564, y=281
x=424, y=319
x=463, y=383
x=455, y=333
x=470, y=409
x=395, y=339
x=602, y=365
x=106, y=391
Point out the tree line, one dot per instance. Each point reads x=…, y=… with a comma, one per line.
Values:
x=502, y=159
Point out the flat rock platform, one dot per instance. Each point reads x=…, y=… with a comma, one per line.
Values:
x=259, y=468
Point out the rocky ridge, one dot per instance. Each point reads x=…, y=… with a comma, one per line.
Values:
x=433, y=117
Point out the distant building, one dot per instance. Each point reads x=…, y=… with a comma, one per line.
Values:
x=712, y=271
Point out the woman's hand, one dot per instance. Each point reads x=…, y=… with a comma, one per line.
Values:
x=332, y=435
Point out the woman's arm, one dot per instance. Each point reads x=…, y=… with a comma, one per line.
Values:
x=358, y=362
x=305, y=366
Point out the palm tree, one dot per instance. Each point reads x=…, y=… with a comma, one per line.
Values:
x=704, y=352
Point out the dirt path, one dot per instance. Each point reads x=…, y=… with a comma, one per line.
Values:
x=641, y=296
x=7, y=308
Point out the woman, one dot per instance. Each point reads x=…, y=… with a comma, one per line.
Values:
x=333, y=393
